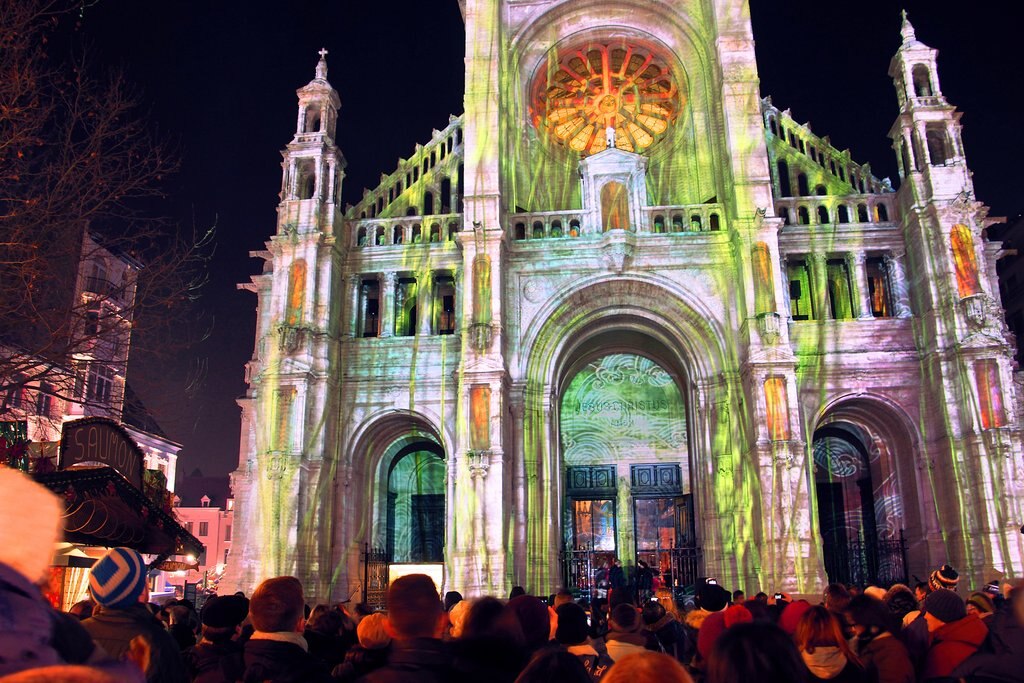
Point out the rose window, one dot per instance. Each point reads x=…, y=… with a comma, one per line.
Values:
x=593, y=89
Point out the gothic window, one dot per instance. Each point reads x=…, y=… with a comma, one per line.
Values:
x=695, y=223
x=842, y=173
x=840, y=294
x=878, y=288
x=935, y=136
x=574, y=228
x=614, y=207
x=417, y=237
x=380, y=205
x=803, y=149
x=922, y=81
x=792, y=140
x=435, y=232
x=411, y=211
x=446, y=195
x=312, y=123
x=397, y=235
x=433, y=158
x=820, y=190
x=444, y=305
x=379, y=238
x=556, y=228
x=773, y=125
x=369, y=308
x=783, y=173
x=881, y=213
x=426, y=165
x=296, y=292
x=803, y=189
x=677, y=223
x=801, y=303
x=405, y=307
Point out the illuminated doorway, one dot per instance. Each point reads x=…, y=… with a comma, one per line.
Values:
x=416, y=504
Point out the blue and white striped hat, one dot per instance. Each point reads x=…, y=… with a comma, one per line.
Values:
x=118, y=578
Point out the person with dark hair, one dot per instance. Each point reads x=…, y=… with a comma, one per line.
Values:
x=955, y=634
x=217, y=657
x=452, y=598
x=572, y=633
x=277, y=651
x=369, y=654
x=900, y=600
x=329, y=633
x=415, y=620
x=836, y=598
x=670, y=633
x=492, y=646
x=1000, y=657
x=824, y=650
x=598, y=618
x=625, y=633
x=516, y=592
x=755, y=652
x=554, y=666
x=876, y=640
x=534, y=620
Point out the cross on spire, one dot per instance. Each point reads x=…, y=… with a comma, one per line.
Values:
x=321, y=66
x=323, y=50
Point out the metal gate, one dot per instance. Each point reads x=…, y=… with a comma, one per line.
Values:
x=861, y=562
x=375, y=577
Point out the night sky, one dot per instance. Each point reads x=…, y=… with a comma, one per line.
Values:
x=219, y=79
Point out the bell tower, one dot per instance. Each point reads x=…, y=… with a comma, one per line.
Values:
x=291, y=386
x=972, y=508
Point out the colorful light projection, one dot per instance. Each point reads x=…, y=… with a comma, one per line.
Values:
x=416, y=508
x=990, y=393
x=777, y=408
x=591, y=88
x=764, y=280
x=296, y=292
x=614, y=207
x=480, y=417
x=964, y=259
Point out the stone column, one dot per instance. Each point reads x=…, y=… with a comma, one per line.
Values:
x=784, y=283
x=355, y=283
x=898, y=279
x=819, y=283
x=425, y=287
x=387, y=303
x=856, y=263
x=459, y=299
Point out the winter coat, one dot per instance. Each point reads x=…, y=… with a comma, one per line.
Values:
x=1001, y=656
x=487, y=659
x=951, y=644
x=114, y=629
x=416, y=660
x=596, y=664
x=214, y=662
x=830, y=664
x=885, y=658
x=26, y=625
x=620, y=644
x=672, y=637
x=281, y=661
x=359, y=661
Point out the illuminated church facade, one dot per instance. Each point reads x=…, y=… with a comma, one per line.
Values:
x=625, y=307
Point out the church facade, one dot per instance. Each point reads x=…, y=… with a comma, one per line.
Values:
x=625, y=307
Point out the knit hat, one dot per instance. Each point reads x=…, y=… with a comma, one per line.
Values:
x=982, y=602
x=712, y=597
x=624, y=619
x=572, y=624
x=118, y=579
x=225, y=611
x=945, y=577
x=944, y=605
x=737, y=614
x=26, y=546
x=790, y=616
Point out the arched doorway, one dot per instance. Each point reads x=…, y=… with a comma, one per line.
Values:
x=416, y=504
x=860, y=508
x=626, y=462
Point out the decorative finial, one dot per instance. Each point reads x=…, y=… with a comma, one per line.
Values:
x=321, y=66
x=907, y=29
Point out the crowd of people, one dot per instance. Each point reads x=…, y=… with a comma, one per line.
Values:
x=895, y=635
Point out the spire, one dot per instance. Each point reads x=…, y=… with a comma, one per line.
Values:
x=321, y=66
x=907, y=30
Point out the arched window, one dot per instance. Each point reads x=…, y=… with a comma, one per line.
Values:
x=428, y=203
x=312, y=122
x=411, y=211
x=659, y=223
x=520, y=231
x=361, y=237
x=433, y=158
x=677, y=223
x=823, y=214
x=306, y=182
x=556, y=228
x=417, y=234
x=716, y=223
x=446, y=195
x=453, y=228
x=773, y=125
x=426, y=165
x=458, y=136
x=801, y=184
x=881, y=213
x=460, y=189
x=380, y=205
x=538, y=230
x=695, y=223
x=936, y=138
x=862, y=213
x=844, y=214
x=614, y=207
x=435, y=232
x=922, y=81
x=397, y=235
x=574, y=228
x=783, y=172
x=380, y=235
x=784, y=215
x=803, y=217
x=820, y=190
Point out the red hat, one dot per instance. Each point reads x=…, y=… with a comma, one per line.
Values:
x=710, y=630
x=737, y=614
x=791, y=615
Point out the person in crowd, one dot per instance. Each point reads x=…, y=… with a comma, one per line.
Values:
x=572, y=634
x=598, y=618
x=182, y=623
x=492, y=646
x=955, y=634
x=516, y=592
x=713, y=628
x=553, y=665
x=32, y=634
x=755, y=652
x=761, y=596
x=981, y=605
x=217, y=657
x=1001, y=655
x=277, y=651
x=670, y=633
x=647, y=667
x=900, y=600
x=836, y=598
x=824, y=650
x=82, y=609
x=533, y=617
x=738, y=596
x=117, y=583
x=616, y=584
x=452, y=598
x=327, y=635
x=921, y=591
x=710, y=598
x=791, y=615
x=876, y=642
x=563, y=596
x=415, y=620
x=644, y=581
x=457, y=618
x=626, y=634
x=943, y=578
x=369, y=654
x=667, y=600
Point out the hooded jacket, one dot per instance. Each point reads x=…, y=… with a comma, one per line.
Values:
x=951, y=644
x=1001, y=654
x=281, y=658
x=114, y=629
x=886, y=657
x=830, y=664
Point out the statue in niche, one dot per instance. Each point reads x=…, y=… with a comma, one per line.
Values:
x=609, y=136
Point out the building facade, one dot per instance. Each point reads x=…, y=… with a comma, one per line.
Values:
x=625, y=306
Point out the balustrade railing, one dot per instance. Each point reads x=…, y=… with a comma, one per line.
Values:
x=828, y=210
x=406, y=230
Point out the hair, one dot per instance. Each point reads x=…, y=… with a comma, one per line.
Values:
x=563, y=596
x=653, y=612
x=755, y=652
x=668, y=601
x=371, y=632
x=218, y=634
x=414, y=607
x=326, y=620
x=923, y=585
x=647, y=667
x=837, y=597
x=277, y=605
x=873, y=615
x=554, y=665
x=819, y=627
x=516, y=592
x=762, y=596
x=488, y=618
x=738, y=595
x=452, y=598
